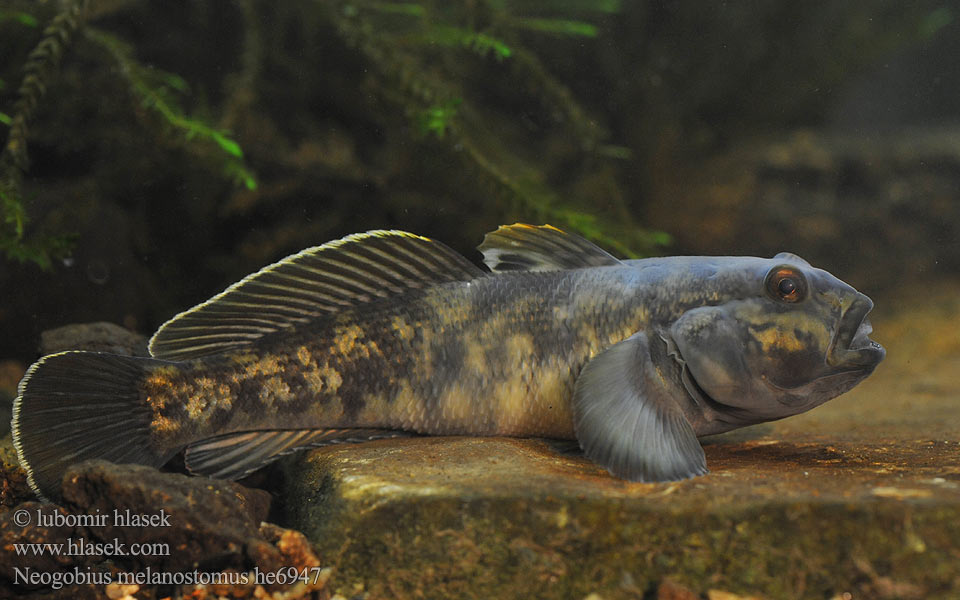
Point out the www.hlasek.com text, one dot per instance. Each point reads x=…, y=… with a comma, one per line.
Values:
x=82, y=547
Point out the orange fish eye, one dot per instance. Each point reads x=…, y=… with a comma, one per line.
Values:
x=786, y=284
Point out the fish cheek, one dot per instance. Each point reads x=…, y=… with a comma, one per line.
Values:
x=786, y=355
x=712, y=345
x=790, y=370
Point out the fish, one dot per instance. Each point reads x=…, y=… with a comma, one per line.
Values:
x=388, y=333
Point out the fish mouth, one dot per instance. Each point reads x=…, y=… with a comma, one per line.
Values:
x=851, y=349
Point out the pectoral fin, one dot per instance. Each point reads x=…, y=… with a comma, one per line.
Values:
x=627, y=418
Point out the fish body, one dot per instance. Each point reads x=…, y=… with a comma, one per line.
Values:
x=494, y=356
x=385, y=333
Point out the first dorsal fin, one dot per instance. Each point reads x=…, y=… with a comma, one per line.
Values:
x=321, y=280
x=521, y=247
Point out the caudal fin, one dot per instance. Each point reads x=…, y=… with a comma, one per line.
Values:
x=76, y=406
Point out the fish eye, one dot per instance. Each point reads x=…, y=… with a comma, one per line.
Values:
x=786, y=284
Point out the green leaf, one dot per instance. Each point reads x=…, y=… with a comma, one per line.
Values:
x=13, y=212
x=240, y=175
x=172, y=80
x=228, y=145
x=27, y=19
x=20, y=17
x=480, y=43
x=437, y=119
x=483, y=43
x=5, y=118
x=557, y=26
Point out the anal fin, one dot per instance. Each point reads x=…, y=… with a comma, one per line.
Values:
x=235, y=455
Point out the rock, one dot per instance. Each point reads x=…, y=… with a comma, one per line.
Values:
x=93, y=337
x=672, y=590
x=209, y=523
x=721, y=595
x=11, y=372
x=44, y=572
x=793, y=508
x=177, y=524
x=13, y=480
x=875, y=210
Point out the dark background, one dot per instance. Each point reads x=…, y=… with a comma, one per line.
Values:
x=829, y=129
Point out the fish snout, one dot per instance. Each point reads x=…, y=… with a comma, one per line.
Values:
x=851, y=348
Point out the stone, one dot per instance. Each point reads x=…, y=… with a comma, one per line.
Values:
x=93, y=337
x=877, y=210
x=721, y=595
x=860, y=496
x=211, y=523
x=11, y=372
x=179, y=524
x=13, y=480
x=670, y=589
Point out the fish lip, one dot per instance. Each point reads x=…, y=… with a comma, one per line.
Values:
x=851, y=349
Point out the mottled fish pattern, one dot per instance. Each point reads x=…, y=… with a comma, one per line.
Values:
x=387, y=333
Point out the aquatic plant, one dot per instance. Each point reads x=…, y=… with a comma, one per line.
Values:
x=156, y=92
x=430, y=59
x=40, y=66
x=420, y=54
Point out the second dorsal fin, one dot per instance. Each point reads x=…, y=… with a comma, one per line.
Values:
x=321, y=280
x=521, y=247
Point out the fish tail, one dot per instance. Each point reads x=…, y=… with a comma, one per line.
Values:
x=76, y=406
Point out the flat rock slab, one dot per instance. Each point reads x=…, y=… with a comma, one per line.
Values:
x=860, y=496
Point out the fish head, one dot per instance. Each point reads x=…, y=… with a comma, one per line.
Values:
x=785, y=338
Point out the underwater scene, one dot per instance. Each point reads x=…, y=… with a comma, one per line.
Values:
x=561, y=299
